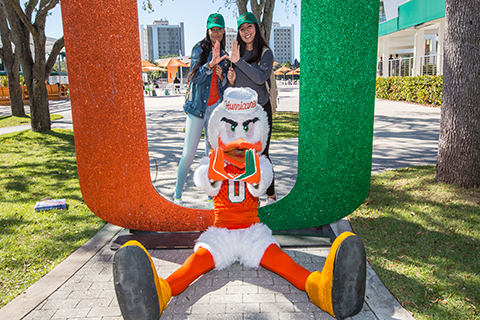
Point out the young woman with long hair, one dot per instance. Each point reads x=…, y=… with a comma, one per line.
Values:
x=252, y=65
x=207, y=82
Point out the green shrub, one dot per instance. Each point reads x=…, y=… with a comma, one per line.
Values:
x=421, y=89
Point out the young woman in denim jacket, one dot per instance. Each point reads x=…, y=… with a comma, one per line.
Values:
x=252, y=65
x=208, y=80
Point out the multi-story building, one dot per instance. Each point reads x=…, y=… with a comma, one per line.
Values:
x=161, y=39
x=282, y=42
x=383, y=16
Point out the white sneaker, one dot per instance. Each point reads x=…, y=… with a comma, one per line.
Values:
x=178, y=201
x=271, y=200
x=210, y=204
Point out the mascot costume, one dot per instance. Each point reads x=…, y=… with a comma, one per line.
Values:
x=235, y=175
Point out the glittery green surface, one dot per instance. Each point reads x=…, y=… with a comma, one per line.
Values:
x=337, y=96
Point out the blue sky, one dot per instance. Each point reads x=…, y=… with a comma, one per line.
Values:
x=391, y=7
x=194, y=14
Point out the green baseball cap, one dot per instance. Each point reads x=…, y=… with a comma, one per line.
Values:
x=247, y=17
x=215, y=20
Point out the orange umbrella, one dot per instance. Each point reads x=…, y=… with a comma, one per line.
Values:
x=146, y=63
x=293, y=73
x=277, y=73
x=153, y=69
x=172, y=62
x=297, y=70
x=275, y=63
x=284, y=69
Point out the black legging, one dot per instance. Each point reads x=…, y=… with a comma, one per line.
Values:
x=268, y=110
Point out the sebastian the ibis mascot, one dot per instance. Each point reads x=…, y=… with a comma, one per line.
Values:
x=235, y=175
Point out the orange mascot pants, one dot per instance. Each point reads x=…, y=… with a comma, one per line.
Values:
x=274, y=259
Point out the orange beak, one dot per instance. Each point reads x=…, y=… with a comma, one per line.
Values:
x=238, y=144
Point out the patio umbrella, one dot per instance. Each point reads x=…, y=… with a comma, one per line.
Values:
x=284, y=69
x=275, y=63
x=293, y=73
x=172, y=64
x=297, y=70
x=146, y=63
x=281, y=71
x=153, y=69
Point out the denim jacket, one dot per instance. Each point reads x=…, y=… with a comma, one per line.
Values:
x=199, y=88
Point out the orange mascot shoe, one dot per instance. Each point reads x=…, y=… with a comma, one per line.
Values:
x=340, y=288
x=141, y=294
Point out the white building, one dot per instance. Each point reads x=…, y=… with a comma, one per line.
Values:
x=282, y=42
x=161, y=39
x=415, y=34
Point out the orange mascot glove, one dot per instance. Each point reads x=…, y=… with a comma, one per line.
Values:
x=216, y=172
x=252, y=168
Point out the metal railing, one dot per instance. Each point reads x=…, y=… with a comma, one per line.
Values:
x=411, y=66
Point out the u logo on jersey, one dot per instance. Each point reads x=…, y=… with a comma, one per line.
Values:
x=236, y=191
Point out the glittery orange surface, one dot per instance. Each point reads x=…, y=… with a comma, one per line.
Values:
x=104, y=70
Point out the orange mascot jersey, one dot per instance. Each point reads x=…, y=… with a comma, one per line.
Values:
x=235, y=207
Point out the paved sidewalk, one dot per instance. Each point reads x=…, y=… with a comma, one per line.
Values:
x=81, y=287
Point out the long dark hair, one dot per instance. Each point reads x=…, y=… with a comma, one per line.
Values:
x=258, y=44
x=206, y=46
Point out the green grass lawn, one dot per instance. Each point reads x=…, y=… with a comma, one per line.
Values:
x=11, y=121
x=35, y=166
x=423, y=240
x=285, y=125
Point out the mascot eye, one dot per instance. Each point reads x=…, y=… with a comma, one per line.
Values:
x=233, y=128
x=245, y=128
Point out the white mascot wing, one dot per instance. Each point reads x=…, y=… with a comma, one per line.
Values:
x=200, y=177
x=266, y=177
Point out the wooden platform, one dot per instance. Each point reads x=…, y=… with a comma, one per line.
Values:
x=310, y=237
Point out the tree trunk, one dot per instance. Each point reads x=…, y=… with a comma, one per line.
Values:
x=33, y=70
x=458, y=160
x=242, y=6
x=263, y=11
x=11, y=62
x=268, y=19
x=14, y=89
x=39, y=98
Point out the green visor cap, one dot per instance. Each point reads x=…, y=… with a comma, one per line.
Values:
x=247, y=17
x=215, y=20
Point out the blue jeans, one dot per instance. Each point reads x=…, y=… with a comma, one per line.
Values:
x=193, y=133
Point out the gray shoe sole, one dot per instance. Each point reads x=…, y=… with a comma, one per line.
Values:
x=134, y=282
x=349, y=278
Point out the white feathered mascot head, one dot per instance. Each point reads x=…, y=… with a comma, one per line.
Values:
x=239, y=122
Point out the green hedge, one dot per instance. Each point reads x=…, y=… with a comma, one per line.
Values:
x=421, y=89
